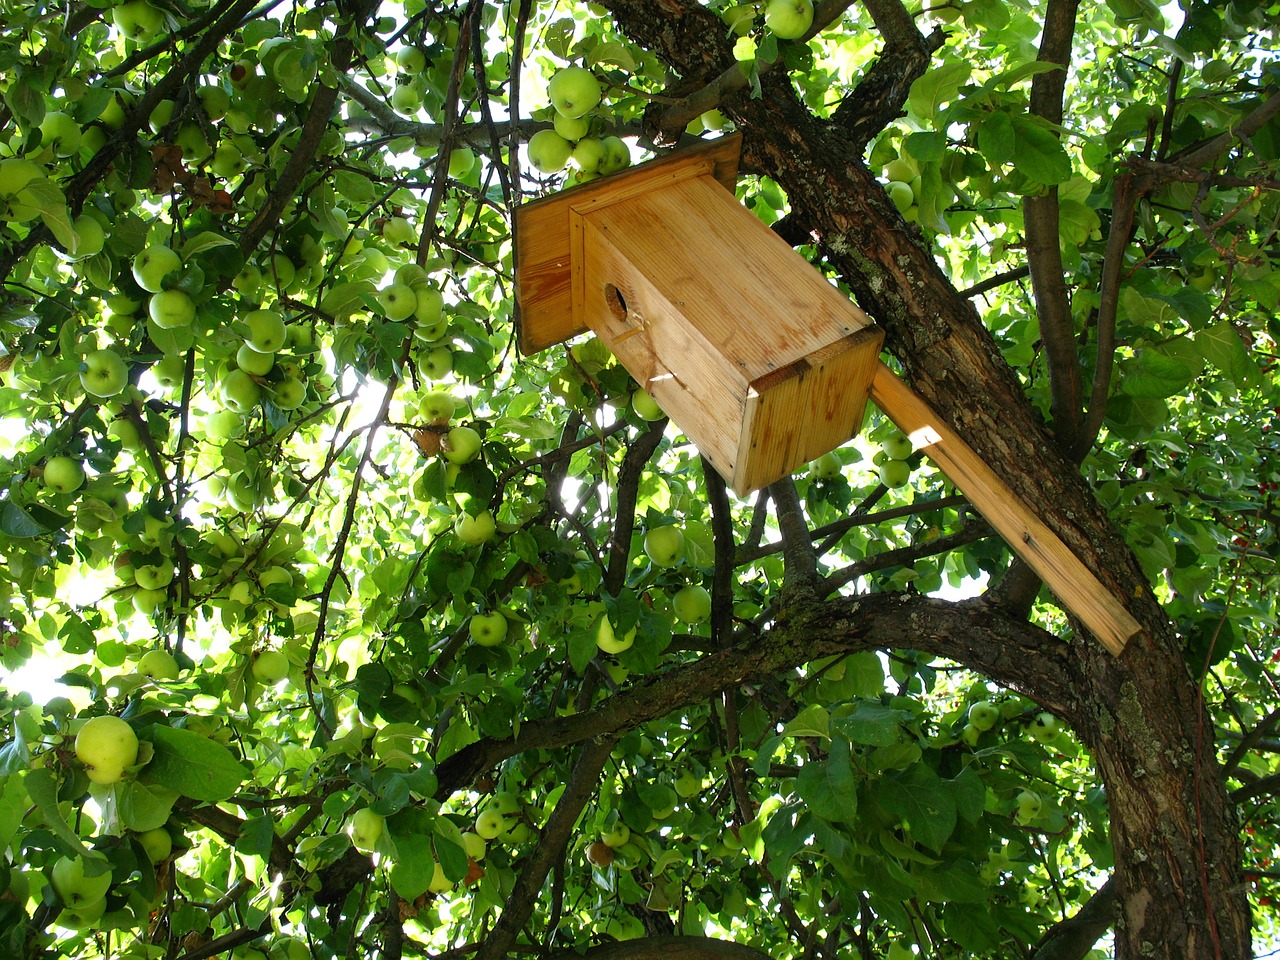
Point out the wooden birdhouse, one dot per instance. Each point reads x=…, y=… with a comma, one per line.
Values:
x=760, y=360
x=755, y=355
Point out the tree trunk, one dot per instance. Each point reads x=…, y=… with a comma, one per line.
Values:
x=1174, y=831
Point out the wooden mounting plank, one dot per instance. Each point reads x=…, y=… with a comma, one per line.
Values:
x=1027, y=535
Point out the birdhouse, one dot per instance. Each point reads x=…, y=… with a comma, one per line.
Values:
x=755, y=355
x=751, y=351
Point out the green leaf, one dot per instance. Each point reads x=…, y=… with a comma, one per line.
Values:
x=812, y=721
x=255, y=837
x=145, y=806
x=1155, y=374
x=42, y=787
x=827, y=786
x=936, y=87
x=873, y=724
x=1038, y=153
x=923, y=803
x=344, y=299
x=414, y=867
x=193, y=765
x=13, y=807
x=996, y=138
x=205, y=240
x=450, y=850
x=1221, y=346
x=32, y=520
x=969, y=794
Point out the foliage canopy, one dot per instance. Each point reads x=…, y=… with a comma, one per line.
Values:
x=391, y=698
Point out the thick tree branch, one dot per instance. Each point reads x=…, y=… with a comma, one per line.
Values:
x=668, y=948
x=1073, y=938
x=523, y=898
x=1044, y=250
x=878, y=98
x=1013, y=653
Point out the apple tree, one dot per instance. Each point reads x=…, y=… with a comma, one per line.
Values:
x=333, y=627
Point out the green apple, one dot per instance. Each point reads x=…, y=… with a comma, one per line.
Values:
x=1045, y=728
x=898, y=445
x=411, y=60
x=692, y=603
x=147, y=602
x=228, y=162
x=645, y=407
x=439, y=883
x=158, y=664
x=461, y=162
x=61, y=133
x=436, y=364
x=138, y=20
x=664, y=546
x=399, y=231
x=970, y=735
x=85, y=916
x=289, y=394
x=252, y=362
x=549, y=152
x=826, y=467
x=607, y=638
x=16, y=174
x=153, y=576
x=616, y=156
x=428, y=306
x=488, y=629
x=1028, y=803
x=589, y=154
x=215, y=100
x=788, y=19
x=270, y=666
x=240, y=391
x=574, y=91
x=157, y=843
x=902, y=169
x=475, y=845
x=437, y=406
x=290, y=948
x=406, y=98
x=461, y=445
x=984, y=715
x=616, y=835
x=71, y=884
x=153, y=265
x=365, y=828
x=106, y=745
x=63, y=474
x=894, y=473
x=571, y=128
x=490, y=823
x=171, y=309
x=90, y=237
x=267, y=332
x=398, y=301
x=688, y=784
x=901, y=194
x=474, y=531
x=105, y=374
